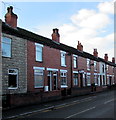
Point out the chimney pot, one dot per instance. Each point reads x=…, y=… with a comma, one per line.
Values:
x=56, y=35
x=113, y=60
x=11, y=18
x=79, y=46
x=95, y=53
x=106, y=57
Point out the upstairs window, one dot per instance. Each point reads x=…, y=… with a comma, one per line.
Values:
x=6, y=47
x=75, y=61
x=63, y=58
x=107, y=67
x=88, y=64
x=103, y=67
x=39, y=52
x=95, y=66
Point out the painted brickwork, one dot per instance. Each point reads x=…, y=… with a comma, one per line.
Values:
x=18, y=61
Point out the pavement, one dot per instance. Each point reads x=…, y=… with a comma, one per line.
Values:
x=33, y=109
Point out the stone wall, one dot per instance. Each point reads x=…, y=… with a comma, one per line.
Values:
x=18, y=60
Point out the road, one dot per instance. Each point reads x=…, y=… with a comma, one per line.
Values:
x=100, y=105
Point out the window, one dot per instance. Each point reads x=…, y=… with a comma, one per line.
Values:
x=95, y=66
x=12, y=78
x=63, y=79
x=6, y=47
x=38, y=78
x=107, y=67
x=75, y=79
x=75, y=61
x=95, y=79
x=39, y=49
x=108, y=80
x=88, y=80
x=88, y=64
x=63, y=58
x=104, y=80
x=103, y=68
x=84, y=80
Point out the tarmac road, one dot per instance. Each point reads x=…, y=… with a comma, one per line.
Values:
x=100, y=105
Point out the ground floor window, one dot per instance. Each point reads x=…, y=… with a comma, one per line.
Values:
x=75, y=79
x=63, y=76
x=12, y=78
x=84, y=80
x=104, y=82
x=38, y=78
x=108, y=82
x=88, y=80
x=96, y=79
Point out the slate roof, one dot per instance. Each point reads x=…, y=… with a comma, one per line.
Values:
x=19, y=32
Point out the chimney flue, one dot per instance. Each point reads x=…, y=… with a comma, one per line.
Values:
x=11, y=18
x=56, y=35
x=113, y=60
x=106, y=57
x=79, y=46
x=95, y=53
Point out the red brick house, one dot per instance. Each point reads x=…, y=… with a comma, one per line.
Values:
x=52, y=70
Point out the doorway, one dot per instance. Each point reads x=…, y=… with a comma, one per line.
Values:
x=52, y=80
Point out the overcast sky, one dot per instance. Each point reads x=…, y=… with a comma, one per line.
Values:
x=91, y=23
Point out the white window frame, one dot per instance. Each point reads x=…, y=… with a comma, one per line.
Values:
x=95, y=65
x=88, y=75
x=75, y=81
x=75, y=61
x=16, y=70
x=64, y=75
x=63, y=58
x=8, y=43
x=88, y=64
x=42, y=70
x=40, y=46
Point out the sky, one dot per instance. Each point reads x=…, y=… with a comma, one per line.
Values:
x=91, y=23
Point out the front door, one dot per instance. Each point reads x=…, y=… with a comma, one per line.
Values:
x=52, y=80
x=110, y=80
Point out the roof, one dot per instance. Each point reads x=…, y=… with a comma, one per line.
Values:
x=19, y=32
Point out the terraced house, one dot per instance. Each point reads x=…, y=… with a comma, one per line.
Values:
x=36, y=69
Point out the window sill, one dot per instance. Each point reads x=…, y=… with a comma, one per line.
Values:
x=39, y=61
x=63, y=65
x=12, y=88
x=38, y=87
x=64, y=86
x=6, y=57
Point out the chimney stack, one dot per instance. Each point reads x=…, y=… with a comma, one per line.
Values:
x=56, y=35
x=95, y=53
x=11, y=18
x=79, y=46
x=106, y=57
x=113, y=60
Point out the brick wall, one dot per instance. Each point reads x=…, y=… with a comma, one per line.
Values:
x=51, y=59
x=18, y=61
